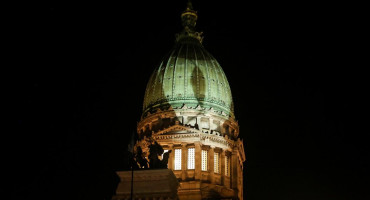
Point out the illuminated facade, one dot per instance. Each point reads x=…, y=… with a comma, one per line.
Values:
x=188, y=109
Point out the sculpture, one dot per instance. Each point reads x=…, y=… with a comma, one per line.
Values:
x=155, y=150
x=140, y=159
x=164, y=161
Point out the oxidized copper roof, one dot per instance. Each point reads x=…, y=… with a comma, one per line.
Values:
x=189, y=75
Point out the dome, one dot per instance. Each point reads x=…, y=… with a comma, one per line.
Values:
x=188, y=75
x=188, y=110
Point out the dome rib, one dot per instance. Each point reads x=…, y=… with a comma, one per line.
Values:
x=197, y=72
x=207, y=70
x=185, y=71
x=197, y=79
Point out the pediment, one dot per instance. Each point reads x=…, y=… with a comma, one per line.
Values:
x=177, y=129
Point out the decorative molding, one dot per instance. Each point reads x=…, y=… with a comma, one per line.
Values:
x=176, y=127
x=183, y=111
x=216, y=105
x=240, y=145
x=184, y=107
x=193, y=133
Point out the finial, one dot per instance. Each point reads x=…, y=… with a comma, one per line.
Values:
x=189, y=5
x=189, y=20
x=189, y=16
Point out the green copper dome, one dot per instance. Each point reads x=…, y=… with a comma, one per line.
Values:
x=188, y=75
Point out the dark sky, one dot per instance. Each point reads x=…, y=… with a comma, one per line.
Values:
x=79, y=72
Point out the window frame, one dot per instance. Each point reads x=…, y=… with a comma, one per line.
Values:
x=216, y=162
x=204, y=160
x=227, y=165
x=191, y=159
x=180, y=159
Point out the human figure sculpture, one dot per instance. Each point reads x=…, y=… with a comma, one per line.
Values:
x=140, y=159
x=155, y=150
x=164, y=161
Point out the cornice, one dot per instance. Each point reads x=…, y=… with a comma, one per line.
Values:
x=192, y=133
x=183, y=111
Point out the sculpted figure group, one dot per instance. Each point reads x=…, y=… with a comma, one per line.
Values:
x=155, y=151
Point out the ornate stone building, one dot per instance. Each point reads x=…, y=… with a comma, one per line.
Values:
x=188, y=109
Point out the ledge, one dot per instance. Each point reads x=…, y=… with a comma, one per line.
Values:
x=147, y=183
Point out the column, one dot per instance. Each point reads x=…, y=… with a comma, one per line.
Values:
x=222, y=128
x=234, y=169
x=184, y=161
x=222, y=160
x=211, y=164
x=198, y=161
x=172, y=157
x=185, y=120
x=198, y=122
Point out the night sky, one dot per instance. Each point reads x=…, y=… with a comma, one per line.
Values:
x=78, y=74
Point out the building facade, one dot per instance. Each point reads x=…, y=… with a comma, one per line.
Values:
x=188, y=109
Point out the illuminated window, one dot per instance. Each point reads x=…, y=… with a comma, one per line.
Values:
x=217, y=164
x=204, y=160
x=191, y=158
x=177, y=159
x=227, y=167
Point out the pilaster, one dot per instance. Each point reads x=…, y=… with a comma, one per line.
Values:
x=222, y=167
x=211, y=164
x=185, y=119
x=198, y=161
x=199, y=123
x=171, y=157
x=184, y=160
x=234, y=169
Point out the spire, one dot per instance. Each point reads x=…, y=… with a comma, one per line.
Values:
x=189, y=20
x=189, y=17
x=190, y=5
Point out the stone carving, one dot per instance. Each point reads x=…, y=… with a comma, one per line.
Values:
x=205, y=130
x=216, y=133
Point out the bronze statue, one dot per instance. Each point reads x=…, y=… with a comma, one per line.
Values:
x=155, y=150
x=164, y=161
x=140, y=159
